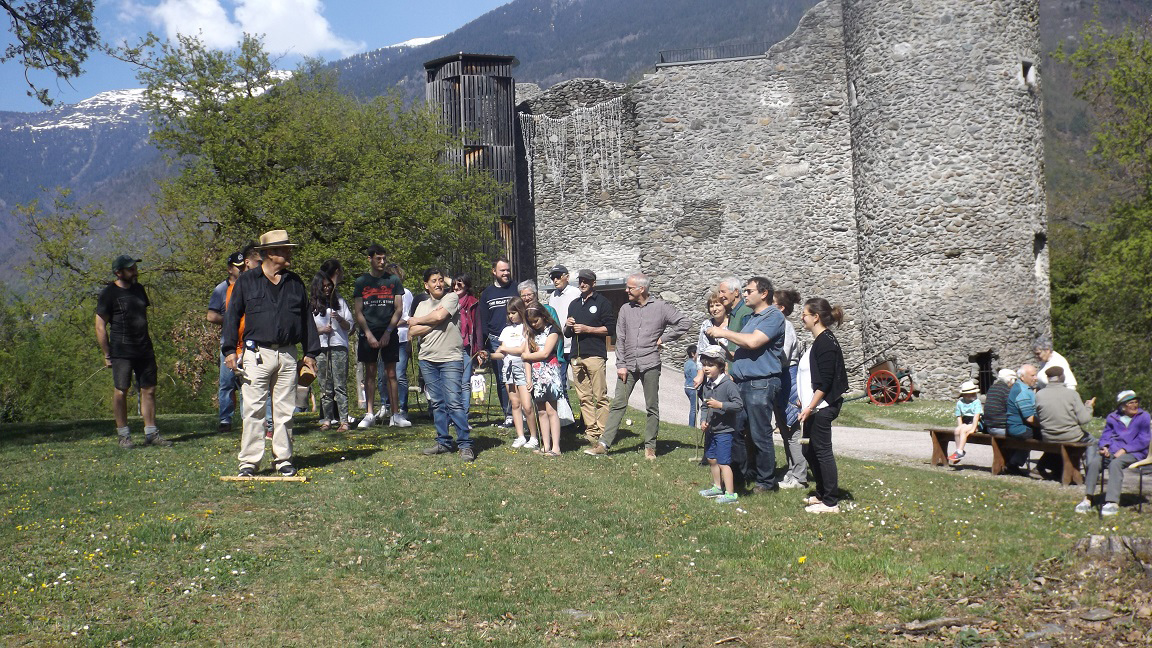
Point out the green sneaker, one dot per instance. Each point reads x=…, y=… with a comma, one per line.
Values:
x=712, y=492
x=727, y=498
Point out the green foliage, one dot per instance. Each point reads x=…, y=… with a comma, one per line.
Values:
x=261, y=154
x=53, y=35
x=1101, y=293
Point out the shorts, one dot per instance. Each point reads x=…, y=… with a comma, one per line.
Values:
x=719, y=447
x=513, y=373
x=144, y=369
x=389, y=354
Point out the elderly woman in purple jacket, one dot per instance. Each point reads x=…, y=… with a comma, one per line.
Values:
x=1123, y=443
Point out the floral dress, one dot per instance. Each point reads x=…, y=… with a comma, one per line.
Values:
x=546, y=373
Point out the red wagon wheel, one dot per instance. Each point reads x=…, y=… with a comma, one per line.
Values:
x=883, y=387
x=908, y=389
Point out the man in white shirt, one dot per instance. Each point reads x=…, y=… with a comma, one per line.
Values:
x=559, y=299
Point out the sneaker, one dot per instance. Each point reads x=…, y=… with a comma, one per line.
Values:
x=1084, y=506
x=224, y=427
x=368, y=421
x=790, y=482
x=821, y=507
x=727, y=498
x=157, y=440
x=519, y=442
x=809, y=501
x=467, y=454
x=437, y=449
x=955, y=457
x=334, y=423
x=286, y=470
x=126, y=443
x=532, y=443
x=597, y=450
x=1110, y=508
x=714, y=491
x=268, y=435
x=399, y=420
x=507, y=422
x=384, y=412
x=247, y=471
x=759, y=489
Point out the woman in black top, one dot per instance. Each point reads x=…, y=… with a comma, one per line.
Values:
x=821, y=383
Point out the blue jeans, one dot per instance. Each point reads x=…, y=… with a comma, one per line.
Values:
x=443, y=382
x=226, y=394
x=466, y=384
x=401, y=379
x=690, y=392
x=492, y=344
x=759, y=397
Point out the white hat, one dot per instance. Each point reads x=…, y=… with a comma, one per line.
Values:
x=969, y=387
x=1125, y=396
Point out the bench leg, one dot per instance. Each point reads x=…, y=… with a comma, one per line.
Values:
x=939, y=451
x=1071, y=472
x=997, y=457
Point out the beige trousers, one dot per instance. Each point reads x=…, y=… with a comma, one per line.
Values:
x=268, y=373
x=591, y=388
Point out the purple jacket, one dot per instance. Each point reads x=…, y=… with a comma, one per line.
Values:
x=1133, y=438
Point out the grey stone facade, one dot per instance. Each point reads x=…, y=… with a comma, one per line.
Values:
x=886, y=156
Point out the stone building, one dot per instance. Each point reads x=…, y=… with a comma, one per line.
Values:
x=886, y=156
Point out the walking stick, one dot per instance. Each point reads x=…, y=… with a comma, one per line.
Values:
x=700, y=409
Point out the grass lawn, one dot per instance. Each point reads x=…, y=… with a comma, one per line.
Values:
x=384, y=546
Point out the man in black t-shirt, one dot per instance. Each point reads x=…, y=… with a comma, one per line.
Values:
x=377, y=304
x=122, y=333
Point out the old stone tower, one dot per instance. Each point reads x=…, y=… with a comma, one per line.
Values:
x=886, y=156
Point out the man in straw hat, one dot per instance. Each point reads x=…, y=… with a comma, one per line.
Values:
x=122, y=333
x=274, y=303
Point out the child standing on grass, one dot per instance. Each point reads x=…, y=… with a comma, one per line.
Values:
x=968, y=413
x=691, y=368
x=513, y=341
x=723, y=405
x=543, y=340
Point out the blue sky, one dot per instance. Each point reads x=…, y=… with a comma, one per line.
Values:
x=295, y=28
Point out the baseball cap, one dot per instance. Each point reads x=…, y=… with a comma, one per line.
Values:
x=1125, y=396
x=557, y=270
x=124, y=261
x=236, y=259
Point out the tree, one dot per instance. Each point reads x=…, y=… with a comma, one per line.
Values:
x=54, y=35
x=1101, y=283
x=259, y=151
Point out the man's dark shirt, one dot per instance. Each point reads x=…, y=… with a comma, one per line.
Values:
x=275, y=314
x=593, y=311
x=492, y=311
x=996, y=406
x=126, y=312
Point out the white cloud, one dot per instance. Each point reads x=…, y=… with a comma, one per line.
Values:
x=294, y=27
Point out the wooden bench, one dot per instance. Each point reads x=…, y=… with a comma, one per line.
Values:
x=1072, y=454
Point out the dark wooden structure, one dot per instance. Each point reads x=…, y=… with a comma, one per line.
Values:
x=475, y=95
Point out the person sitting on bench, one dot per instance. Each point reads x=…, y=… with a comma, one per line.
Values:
x=1062, y=417
x=1123, y=442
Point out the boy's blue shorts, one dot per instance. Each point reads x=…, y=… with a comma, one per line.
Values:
x=718, y=447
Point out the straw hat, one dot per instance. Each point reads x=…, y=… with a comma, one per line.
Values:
x=274, y=238
x=969, y=387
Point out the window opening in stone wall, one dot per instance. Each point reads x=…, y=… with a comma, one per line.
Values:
x=1028, y=73
x=852, y=94
x=985, y=375
x=1039, y=242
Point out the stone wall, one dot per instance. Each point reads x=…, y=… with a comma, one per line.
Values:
x=947, y=152
x=886, y=156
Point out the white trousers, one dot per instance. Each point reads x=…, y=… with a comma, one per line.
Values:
x=268, y=373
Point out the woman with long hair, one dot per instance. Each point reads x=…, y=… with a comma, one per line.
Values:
x=821, y=383
x=470, y=332
x=543, y=336
x=333, y=320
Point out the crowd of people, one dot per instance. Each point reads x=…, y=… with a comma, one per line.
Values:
x=278, y=333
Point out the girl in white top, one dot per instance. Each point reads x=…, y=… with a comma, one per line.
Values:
x=333, y=319
x=517, y=376
x=540, y=350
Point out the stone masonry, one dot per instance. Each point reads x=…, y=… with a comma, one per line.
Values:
x=886, y=156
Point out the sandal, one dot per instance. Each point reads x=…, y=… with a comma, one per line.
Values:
x=343, y=427
x=325, y=426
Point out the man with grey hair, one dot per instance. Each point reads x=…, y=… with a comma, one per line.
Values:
x=1021, y=417
x=640, y=331
x=1042, y=349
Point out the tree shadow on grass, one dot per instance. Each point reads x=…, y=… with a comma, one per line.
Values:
x=329, y=457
